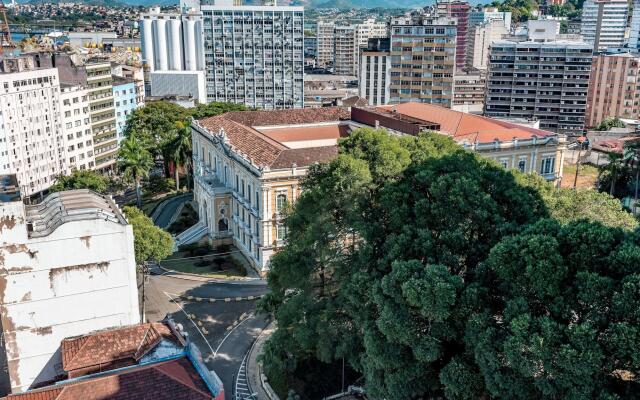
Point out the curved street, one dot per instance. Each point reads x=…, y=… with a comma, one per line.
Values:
x=163, y=219
x=218, y=316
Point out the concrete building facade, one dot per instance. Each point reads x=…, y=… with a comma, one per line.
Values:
x=254, y=55
x=31, y=134
x=103, y=124
x=423, y=59
x=76, y=124
x=345, y=51
x=458, y=9
x=68, y=268
x=125, y=102
x=325, y=43
x=481, y=14
x=375, y=72
x=614, y=88
x=541, y=76
x=480, y=38
x=469, y=88
x=604, y=23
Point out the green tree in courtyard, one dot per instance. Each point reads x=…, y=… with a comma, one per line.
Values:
x=388, y=265
x=151, y=243
x=608, y=123
x=181, y=151
x=82, y=179
x=135, y=161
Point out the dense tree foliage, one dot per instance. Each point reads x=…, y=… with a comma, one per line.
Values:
x=151, y=243
x=135, y=161
x=82, y=179
x=434, y=272
x=608, y=123
x=521, y=10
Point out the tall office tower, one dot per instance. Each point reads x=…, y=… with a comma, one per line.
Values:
x=469, y=87
x=31, y=137
x=325, y=42
x=103, y=117
x=370, y=29
x=76, y=122
x=375, y=72
x=173, y=53
x=255, y=55
x=604, y=23
x=480, y=38
x=613, y=88
x=634, y=26
x=479, y=15
x=423, y=56
x=345, y=51
x=458, y=9
x=540, y=76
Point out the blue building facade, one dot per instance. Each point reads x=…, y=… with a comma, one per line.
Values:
x=124, y=101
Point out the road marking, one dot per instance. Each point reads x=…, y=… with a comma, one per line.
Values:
x=194, y=324
x=215, y=353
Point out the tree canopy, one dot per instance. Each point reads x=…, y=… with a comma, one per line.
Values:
x=81, y=179
x=434, y=272
x=151, y=243
x=608, y=123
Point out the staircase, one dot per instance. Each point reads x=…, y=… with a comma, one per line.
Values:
x=191, y=235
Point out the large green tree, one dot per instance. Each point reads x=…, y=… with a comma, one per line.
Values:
x=386, y=266
x=180, y=151
x=81, y=179
x=135, y=161
x=151, y=243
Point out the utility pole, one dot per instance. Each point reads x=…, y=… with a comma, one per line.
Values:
x=575, y=178
x=144, y=278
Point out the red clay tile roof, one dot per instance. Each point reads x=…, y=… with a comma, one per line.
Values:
x=301, y=133
x=265, y=151
x=463, y=126
x=169, y=380
x=110, y=346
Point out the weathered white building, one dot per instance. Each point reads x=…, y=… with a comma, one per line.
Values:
x=67, y=268
x=76, y=124
x=31, y=137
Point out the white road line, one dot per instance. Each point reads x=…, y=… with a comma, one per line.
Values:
x=215, y=353
x=194, y=324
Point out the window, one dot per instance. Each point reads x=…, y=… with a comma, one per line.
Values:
x=547, y=165
x=522, y=165
x=281, y=232
x=281, y=201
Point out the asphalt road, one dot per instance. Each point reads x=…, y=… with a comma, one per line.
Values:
x=169, y=209
x=223, y=330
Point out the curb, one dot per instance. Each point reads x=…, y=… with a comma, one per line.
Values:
x=257, y=375
x=186, y=275
x=214, y=300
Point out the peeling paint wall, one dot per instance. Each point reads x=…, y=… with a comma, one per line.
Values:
x=79, y=279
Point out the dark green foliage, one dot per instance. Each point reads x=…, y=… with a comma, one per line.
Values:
x=436, y=273
x=609, y=123
x=83, y=179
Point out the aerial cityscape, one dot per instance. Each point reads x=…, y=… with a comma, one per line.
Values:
x=319, y=199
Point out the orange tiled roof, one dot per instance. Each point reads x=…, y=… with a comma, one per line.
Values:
x=169, y=380
x=300, y=133
x=114, y=345
x=464, y=126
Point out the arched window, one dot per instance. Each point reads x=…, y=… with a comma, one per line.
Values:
x=281, y=201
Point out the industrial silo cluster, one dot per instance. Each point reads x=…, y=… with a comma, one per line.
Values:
x=172, y=42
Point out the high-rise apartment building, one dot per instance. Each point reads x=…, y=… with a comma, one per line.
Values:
x=345, y=51
x=254, y=55
x=375, y=72
x=604, y=23
x=103, y=123
x=480, y=38
x=613, y=88
x=31, y=134
x=479, y=15
x=541, y=76
x=76, y=124
x=325, y=43
x=370, y=29
x=423, y=57
x=458, y=9
x=125, y=102
x=469, y=87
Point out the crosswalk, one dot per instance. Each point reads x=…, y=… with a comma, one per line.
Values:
x=243, y=391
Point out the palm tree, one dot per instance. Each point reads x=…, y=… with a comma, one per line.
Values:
x=180, y=151
x=135, y=160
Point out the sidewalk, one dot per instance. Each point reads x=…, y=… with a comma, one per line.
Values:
x=254, y=368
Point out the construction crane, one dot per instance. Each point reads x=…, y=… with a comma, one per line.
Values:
x=7, y=43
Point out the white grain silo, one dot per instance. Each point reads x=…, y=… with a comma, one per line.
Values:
x=174, y=44
x=147, y=43
x=160, y=45
x=190, y=57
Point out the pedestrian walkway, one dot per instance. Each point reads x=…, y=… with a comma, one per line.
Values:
x=243, y=392
x=254, y=368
